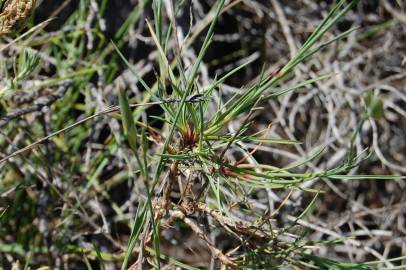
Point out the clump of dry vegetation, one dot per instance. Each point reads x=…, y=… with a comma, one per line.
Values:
x=203, y=135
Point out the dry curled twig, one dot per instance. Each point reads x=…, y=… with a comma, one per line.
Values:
x=38, y=104
x=202, y=235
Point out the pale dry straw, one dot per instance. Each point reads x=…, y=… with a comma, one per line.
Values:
x=15, y=13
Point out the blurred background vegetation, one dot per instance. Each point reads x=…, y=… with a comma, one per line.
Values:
x=70, y=202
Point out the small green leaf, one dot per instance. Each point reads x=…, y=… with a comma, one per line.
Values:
x=376, y=108
x=368, y=98
x=136, y=229
x=130, y=129
x=374, y=105
x=178, y=157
